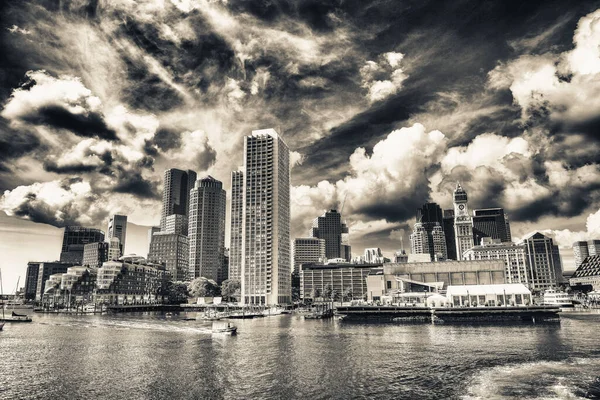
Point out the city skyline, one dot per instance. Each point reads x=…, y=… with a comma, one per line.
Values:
x=377, y=113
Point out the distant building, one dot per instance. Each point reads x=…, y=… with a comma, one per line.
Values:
x=428, y=239
x=374, y=256
x=490, y=222
x=588, y=273
x=171, y=250
x=308, y=251
x=463, y=223
x=176, y=194
x=224, y=270
x=449, y=234
x=46, y=269
x=594, y=247
x=207, y=229
x=152, y=231
x=544, y=260
x=117, y=227
x=514, y=257
x=176, y=223
x=400, y=256
x=330, y=228
x=348, y=281
x=31, y=279
x=237, y=219
x=133, y=280
x=94, y=254
x=114, y=249
x=74, y=287
x=266, y=245
x=74, y=239
x=580, y=252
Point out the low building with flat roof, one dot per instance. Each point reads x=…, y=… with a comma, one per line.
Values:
x=509, y=294
x=348, y=281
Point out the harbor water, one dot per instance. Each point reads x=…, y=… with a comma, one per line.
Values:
x=157, y=356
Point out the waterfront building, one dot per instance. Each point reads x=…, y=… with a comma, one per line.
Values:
x=348, y=281
x=117, y=227
x=588, y=273
x=207, y=230
x=237, y=219
x=114, y=249
x=224, y=270
x=330, y=228
x=74, y=240
x=171, y=250
x=131, y=280
x=46, y=269
x=448, y=225
x=490, y=222
x=94, y=254
x=509, y=294
x=410, y=277
x=544, y=261
x=580, y=252
x=31, y=279
x=266, y=257
x=373, y=256
x=308, y=251
x=514, y=257
x=463, y=222
x=176, y=193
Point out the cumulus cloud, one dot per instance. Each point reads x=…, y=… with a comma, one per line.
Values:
x=384, y=78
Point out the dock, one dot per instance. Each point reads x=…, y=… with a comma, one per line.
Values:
x=450, y=314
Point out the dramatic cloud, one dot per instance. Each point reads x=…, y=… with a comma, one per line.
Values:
x=384, y=78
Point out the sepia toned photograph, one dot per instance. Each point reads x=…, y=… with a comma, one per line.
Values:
x=299, y=199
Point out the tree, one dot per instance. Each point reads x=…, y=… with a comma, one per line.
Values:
x=315, y=294
x=231, y=289
x=348, y=295
x=204, y=287
x=328, y=292
x=177, y=292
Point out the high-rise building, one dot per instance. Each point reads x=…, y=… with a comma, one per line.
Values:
x=508, y=233
x=463, y=222
x=74, y=239
x=114, y=249
x=330, y=227
x=419, y=243
x=594, y=247
x=94, y=254
x=151, y=231
x=207, y=229
x=266, y=257
x=373, y=256
x=430, y=213
x=176, y=194
x=449, y=234
x=171, y=250
x=224, y=270
x=176, y=223
x=117, y=227
x=237, y=218
x=31, y=279
x=490, y=222
x=308, y=250
x=430, y=228
x=580, y=252
x=544, y=261
x=514, y=257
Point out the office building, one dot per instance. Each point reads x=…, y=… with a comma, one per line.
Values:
x=544, y=261
x=237, y=218
x=514, y=257
x=94, y=254
x=587, y=274
x=594, y=247
x=176, y=194
x=448, y=225
x=373, y=256
x=31, y=279
x=176, y=223
x=490, y=222
x=308, y=251
x=172, y=251
x=45, y=270
x=74, y=240
x=463, y=223
x=400, y=256
x=428, y=240
x=151, y=231
x=330, y=228
x=207, y=229
x=117, y=227
x=580, y=252
x=224, y=270
x=266, y=257
x=114, y=249
x=348, y=281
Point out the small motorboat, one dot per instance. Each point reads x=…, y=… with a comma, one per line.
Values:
x=226, y=328
x=1, y=325
x=16, y=318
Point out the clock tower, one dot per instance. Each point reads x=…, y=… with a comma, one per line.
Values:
x=463, y=222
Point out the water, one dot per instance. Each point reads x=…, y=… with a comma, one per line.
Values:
x=150, y=356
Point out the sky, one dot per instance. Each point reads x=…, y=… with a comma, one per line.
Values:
x=386, y=104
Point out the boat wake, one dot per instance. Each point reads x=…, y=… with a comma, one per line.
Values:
x=567, y=379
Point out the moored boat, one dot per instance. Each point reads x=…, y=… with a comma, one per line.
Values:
x=553, y=297
x=226, y=328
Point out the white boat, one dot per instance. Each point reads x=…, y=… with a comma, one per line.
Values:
x=553, y=297
x=226, y=328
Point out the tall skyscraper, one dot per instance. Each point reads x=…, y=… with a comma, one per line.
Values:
x=580, y=252
x=544, y=261
x=428, y=234
x=463, y=223
x=330, y=227
x=114, y=249
x=117, y=227
x=490, y=222
x=74, y=240
x=430, y=213
x=207, y=229
x=266, y=257
x=449, y=234
x=237, y=219
x=176, y=194
x=308, y=251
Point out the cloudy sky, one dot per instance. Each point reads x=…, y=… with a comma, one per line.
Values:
x=384, y=103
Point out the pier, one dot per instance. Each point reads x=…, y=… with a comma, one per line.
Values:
x=450, y=314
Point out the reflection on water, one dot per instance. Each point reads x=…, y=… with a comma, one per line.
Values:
x=152, y=356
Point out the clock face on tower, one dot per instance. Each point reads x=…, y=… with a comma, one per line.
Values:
x=461, y=207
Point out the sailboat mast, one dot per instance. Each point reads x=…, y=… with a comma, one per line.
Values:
x=1, y=294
